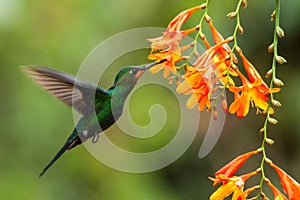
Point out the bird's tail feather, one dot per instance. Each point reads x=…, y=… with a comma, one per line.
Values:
x=61, y=151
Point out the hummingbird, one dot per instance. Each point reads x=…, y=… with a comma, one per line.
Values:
x=99, y=108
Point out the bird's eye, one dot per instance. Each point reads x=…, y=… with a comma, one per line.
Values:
x=133, y=71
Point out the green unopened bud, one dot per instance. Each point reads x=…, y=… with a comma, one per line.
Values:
x=268, y=161
x=240, y=29
x=207, y=18
x=269, y=73
x=203, y=6
x=276, y=103
x=269, y=141
x=271, y=48
x=262, y=131
x=258, y=170
x=267, y=180
x=259, y=150
x=264, y=196
x=273, y=15
x=278, y=82
x=238, y=49
x=279, y=32
x=281, y=60
x=272, y=121
x=202, y=36
x=232, y=14
x=230, y=39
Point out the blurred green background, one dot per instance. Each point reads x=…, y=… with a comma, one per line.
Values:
x=59, y=34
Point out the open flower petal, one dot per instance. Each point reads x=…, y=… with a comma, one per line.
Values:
x=229, y=169
x=290, y=186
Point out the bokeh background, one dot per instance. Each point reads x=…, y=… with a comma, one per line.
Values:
x=59, y=34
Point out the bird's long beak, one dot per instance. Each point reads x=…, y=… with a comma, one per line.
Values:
x=146, y=67
x=154, y=63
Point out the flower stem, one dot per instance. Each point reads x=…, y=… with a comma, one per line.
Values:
x=274, y=68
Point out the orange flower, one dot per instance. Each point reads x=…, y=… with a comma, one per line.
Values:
x=198, y=86
x=221, y=71
x=249, y=190
x=215, y=63
x=250, y=69
x=290, y=186
x=178, y=21
x=231, y=185
x=225, y=50
x=173, y=34
x=168, y=41
x=201, y=78
x=256, y=93
x=229, y=169
x=209, y=57
x=169, y=65
x=167, y=46
x=277, y=194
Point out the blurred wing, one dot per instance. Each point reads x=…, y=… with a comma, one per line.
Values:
x=73, y=92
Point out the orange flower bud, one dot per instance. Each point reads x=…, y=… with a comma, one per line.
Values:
x=215, y=113
x=224, y=105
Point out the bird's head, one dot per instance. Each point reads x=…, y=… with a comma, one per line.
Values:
x=130, y=75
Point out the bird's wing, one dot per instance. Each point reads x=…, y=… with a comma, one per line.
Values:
x=73, y=92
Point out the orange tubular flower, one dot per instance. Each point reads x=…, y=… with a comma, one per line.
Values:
x=231, y=185
x=198, y=86
x=178, y=21
x=226, y=50
x=221, y=56
x=199, y=79
x=169, y=66
x=167, y=46
x=257, y=93
x=229, y=169
x=290, y=186
x=277, y=194
x=254, y=91
x=250, y=70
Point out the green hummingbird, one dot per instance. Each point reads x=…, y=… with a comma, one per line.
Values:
x=99, y=108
